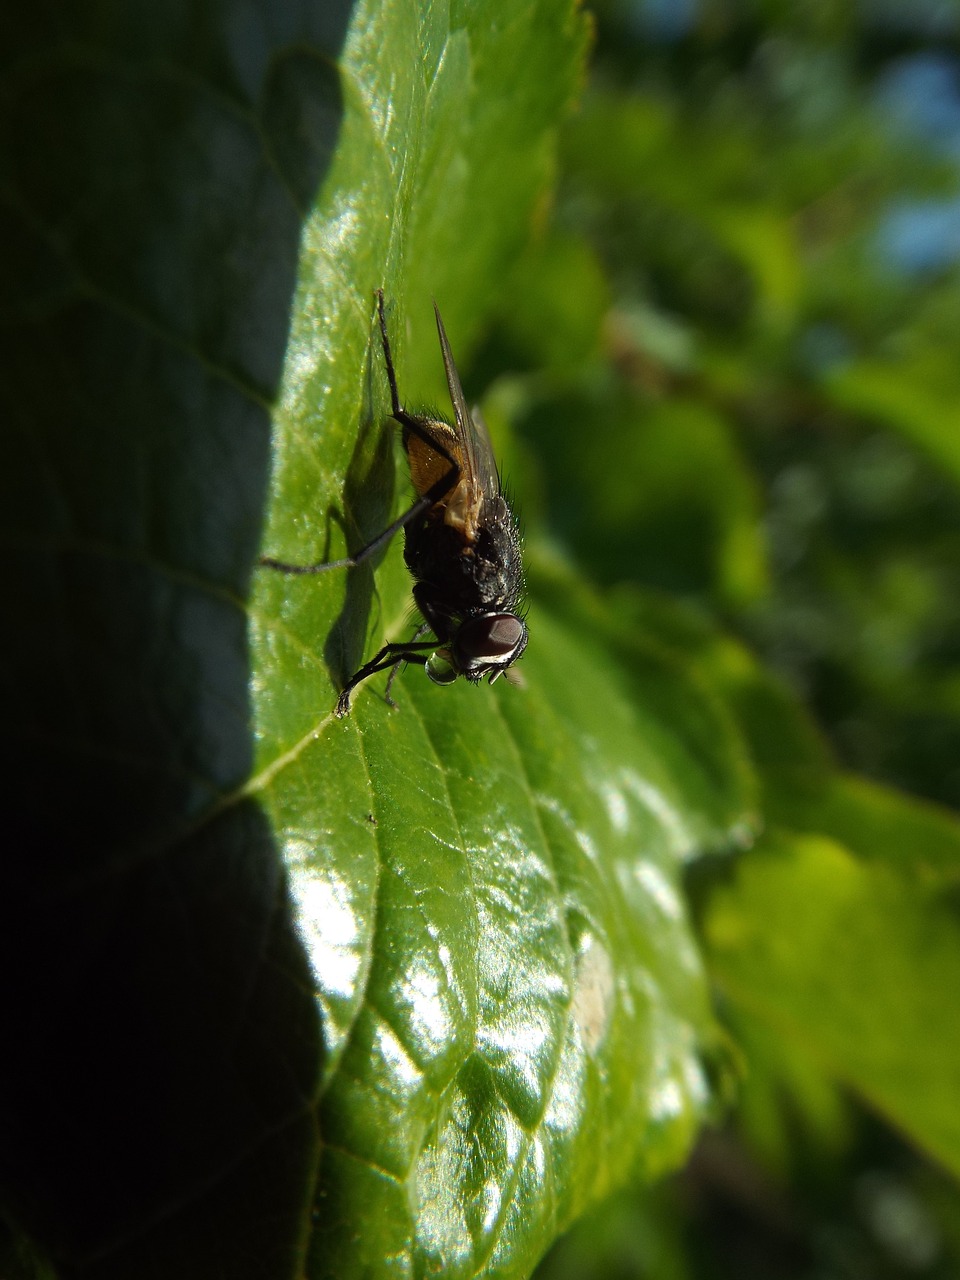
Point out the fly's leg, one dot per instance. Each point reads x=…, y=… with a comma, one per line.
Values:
x=395, y=405
x=420, y=631
x=414, y=425
x=391, y=655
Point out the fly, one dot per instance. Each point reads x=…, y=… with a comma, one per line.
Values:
x=461, y=545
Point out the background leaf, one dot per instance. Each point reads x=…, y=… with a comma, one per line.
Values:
x=862, y=982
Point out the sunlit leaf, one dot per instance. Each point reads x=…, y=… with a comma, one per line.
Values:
x=855, y=965
x=487, y=880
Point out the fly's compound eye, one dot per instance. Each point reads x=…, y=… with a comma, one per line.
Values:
x=493, y=640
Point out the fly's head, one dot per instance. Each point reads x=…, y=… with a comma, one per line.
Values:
x=485, y=644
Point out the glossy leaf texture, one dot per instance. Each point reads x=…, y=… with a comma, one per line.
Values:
x=513, y=1008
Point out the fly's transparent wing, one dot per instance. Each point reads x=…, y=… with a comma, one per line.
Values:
x=480, y=478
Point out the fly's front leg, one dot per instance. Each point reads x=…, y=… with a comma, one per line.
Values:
x=420, y=631
x=391, y=655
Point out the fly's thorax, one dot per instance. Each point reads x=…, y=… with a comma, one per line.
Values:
x=455, y=579
x=498, y=566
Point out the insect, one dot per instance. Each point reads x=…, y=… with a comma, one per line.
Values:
x=461, y=544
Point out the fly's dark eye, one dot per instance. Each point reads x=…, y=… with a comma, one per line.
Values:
x=490, y=637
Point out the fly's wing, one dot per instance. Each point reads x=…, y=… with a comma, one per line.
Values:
x=479, y=479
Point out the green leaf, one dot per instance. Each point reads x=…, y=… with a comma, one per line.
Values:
x=856, y=965
x=660, y=494
x=835, y=944
x=916, y=398
x=513, y=1010
x=877, y=823
x=779, y=747
x=787, y=1103
x=554, y=303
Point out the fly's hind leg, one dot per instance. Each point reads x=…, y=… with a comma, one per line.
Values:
x=413, y=423
x=423, y=504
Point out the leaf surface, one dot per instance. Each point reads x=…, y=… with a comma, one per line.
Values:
x=856, y=965
x=487, y=879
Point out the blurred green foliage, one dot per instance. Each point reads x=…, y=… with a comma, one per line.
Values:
x=771, y=402
x=737, y=364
